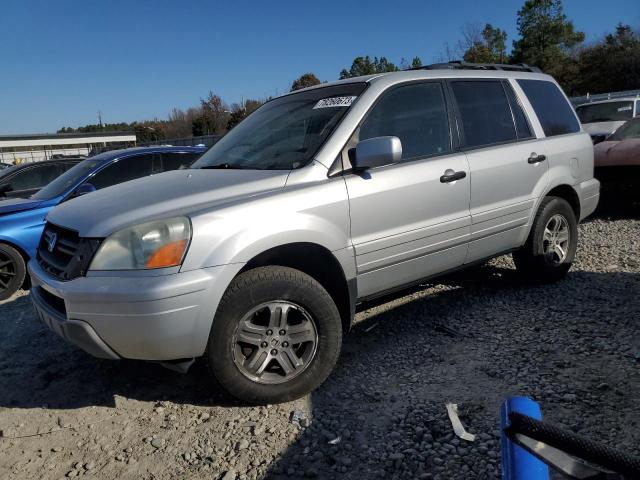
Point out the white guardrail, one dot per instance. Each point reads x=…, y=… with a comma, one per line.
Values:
x=588, y=98
x=28, y=156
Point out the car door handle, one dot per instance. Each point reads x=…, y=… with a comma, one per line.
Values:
x=451, y=176
x=535, y=158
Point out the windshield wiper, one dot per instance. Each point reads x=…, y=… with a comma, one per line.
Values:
x=222, y=166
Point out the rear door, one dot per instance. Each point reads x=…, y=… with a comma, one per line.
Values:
x=507, y=163
x=407, y=222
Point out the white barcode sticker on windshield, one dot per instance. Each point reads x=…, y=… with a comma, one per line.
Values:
x=625, y=109
x=335, y=102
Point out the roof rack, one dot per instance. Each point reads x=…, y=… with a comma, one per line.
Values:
x=460, y=65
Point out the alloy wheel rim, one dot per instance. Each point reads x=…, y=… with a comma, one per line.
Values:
x=275, y=342
x=555, y=240
x=7, y=271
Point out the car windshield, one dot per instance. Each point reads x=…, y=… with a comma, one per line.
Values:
x=605, y=112
x=68, y=179
x=284, y=133
x=629, y=130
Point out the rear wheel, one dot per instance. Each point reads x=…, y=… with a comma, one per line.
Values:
x=276, y=336
x=12, y=271
x=551, y=247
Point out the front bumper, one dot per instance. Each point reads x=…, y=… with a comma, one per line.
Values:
x=163, y=317
x=74, y=331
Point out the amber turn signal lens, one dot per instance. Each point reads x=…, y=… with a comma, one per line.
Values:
x=168, y=255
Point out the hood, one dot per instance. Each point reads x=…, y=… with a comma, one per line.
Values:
x=617, y=153
x=168, y=194
x=12, y=205
x=602, y=128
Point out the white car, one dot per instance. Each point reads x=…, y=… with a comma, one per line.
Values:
x=604, y=117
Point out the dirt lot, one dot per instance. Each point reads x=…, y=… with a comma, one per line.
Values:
x=473, y=338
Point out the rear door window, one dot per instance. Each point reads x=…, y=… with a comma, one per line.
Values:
x=485, y=112
x=178, y=160
x=416, y=114
x=123, y=170
x=552, y=108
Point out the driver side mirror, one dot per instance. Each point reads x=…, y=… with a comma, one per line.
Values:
x=84, y=189
x=377, y=152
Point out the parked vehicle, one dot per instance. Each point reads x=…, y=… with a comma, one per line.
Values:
x=602, y=118
x=21, y=181
x=257, y=257
x=22, y=219
x=617, y=160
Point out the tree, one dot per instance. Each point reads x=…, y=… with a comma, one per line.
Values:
x=305, y=80
x=107, y=127
x=610, y=65
x=148, y=131
x=240, y=111
x=365, y=66
x=546, y=36
x=416, y=62
x=180, y=122
x=213, y=117
x=488, y=45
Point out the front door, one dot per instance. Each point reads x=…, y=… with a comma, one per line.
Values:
x=411, y=219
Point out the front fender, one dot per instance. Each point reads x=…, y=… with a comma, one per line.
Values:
x=316, y=214
x=24, y=229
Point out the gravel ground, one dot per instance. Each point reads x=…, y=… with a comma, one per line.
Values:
x=473, y=339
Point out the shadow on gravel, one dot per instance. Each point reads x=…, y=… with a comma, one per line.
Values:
x=48, y=371
x=484, y=337
x=381, y=413
x=38, y=369
x=615, y=204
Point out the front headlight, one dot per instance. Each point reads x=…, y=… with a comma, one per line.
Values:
x=157, y=244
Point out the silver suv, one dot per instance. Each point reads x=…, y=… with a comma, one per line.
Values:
x=257, y=257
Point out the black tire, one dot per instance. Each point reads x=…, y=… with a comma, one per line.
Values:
x=248, y=292
x=12, y=271
x=531, y=261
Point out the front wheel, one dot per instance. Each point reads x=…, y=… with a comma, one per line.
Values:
x=12, y=271
x=276, y=336
x=551, y=247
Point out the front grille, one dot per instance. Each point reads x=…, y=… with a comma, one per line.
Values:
x=63, y=254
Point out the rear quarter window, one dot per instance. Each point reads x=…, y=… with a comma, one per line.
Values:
x=554, y=112
x=178, y=160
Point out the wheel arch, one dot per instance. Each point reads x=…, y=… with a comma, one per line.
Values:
x=562, y=189
x=25, y=256
x=319, y=263
x=568, y=193
x=19, y=248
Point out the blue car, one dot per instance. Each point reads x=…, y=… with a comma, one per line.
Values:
x=22, y=219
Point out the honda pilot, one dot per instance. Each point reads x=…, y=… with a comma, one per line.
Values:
x=257, y=257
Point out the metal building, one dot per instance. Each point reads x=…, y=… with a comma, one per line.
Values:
x=34, y=148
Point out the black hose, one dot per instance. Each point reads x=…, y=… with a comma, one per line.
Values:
x=575, y=445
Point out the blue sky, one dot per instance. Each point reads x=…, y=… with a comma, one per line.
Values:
x=62, y=61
